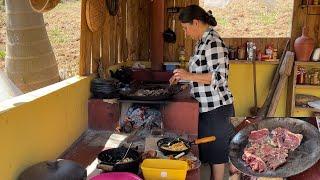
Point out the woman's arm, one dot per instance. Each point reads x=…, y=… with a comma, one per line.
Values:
x=181, y=74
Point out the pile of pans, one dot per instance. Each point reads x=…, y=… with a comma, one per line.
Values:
x=103, y=89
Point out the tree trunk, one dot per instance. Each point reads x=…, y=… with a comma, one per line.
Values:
x=30, y=62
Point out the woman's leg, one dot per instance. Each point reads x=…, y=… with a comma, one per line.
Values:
x=218, y=171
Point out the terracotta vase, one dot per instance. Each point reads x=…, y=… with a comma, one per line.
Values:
x=303, y=46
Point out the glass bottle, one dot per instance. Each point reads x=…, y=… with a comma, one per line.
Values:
x=182, y=58
x=251, y=51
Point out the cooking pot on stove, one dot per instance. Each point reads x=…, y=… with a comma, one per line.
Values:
x=109, y=160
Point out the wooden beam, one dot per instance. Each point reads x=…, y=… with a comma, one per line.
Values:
x=85, y=43
x=157, y=28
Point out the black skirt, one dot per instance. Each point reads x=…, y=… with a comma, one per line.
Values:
x=217, y=123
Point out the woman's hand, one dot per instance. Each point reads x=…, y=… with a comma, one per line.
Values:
x=181, y=74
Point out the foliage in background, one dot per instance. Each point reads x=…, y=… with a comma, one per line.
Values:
x=2, y=54
x=254, y=18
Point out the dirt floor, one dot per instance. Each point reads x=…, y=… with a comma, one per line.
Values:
x=240, y=18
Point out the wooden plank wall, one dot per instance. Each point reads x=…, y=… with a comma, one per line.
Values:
x=301, y=18
x=125, y=36
x=278, y=43
x=171, y=50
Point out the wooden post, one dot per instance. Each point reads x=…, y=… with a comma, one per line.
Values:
x=157, y=27
x=96, y=42
x=85, y=43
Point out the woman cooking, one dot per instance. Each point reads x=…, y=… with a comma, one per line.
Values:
x=208, y=74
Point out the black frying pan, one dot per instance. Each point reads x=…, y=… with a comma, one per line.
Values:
x=305, y=156
x=165, y=141
x=172, y=90
x=108, y=160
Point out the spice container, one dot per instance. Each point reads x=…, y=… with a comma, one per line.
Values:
x=269, y=51
x=232, y=53
x=306, y=78
x=242, y=52
x=300, y=75
x=275, y=54
x=182, y=58
x=314, y=77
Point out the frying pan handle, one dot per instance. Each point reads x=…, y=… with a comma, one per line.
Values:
x=205, y=140
x=104, y=167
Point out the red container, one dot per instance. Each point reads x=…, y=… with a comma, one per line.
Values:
x=303, y=46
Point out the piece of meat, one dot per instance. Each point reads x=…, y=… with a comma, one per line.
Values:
x=292, y=140
x=269, y=150
x=255, y=162
x=286, y=139
x=259, y=136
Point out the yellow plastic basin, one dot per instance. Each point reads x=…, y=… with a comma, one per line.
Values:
x=164, y=169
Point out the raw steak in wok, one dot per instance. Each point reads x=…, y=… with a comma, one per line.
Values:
x=269, y=150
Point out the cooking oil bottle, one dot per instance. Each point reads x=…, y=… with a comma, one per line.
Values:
x=182, y=58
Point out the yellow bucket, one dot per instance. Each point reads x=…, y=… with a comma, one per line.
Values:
x=164, y=169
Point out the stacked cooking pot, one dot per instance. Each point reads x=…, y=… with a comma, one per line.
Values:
x=103, y=89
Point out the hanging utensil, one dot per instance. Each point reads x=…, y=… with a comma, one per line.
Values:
x=113, y=7
x=169, y=35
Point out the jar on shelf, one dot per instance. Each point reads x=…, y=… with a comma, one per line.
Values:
x=242, y=52
x=251, y=51
x=182, y=58
x=306, y=78
x=300, y=75
x=232, y=53
x=269, y=51
x=275, y=54
x=314, y=77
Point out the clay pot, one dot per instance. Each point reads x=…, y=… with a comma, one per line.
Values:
x=303, y=46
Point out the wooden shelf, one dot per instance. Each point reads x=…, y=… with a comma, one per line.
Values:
x=307, y=109
x=250, y=62
x=301, y=86
x=307, y=63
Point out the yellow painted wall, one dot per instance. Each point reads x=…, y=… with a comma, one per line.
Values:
x=241, y=85
x=42, y=124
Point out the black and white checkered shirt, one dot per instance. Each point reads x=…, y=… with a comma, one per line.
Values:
x=211, y=56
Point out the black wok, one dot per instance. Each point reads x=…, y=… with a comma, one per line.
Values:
x=172, y=90
x=306, y=155
x=165, y=141
x=109, y=160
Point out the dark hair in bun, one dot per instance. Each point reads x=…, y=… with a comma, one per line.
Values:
x=189, y=13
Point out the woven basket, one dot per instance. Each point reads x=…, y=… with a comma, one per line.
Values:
x=42, y=6
x=95, y=14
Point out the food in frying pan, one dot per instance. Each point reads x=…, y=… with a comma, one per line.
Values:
x=151, y=92
x=179, y=146
x=268, y=151
x=125, y=160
